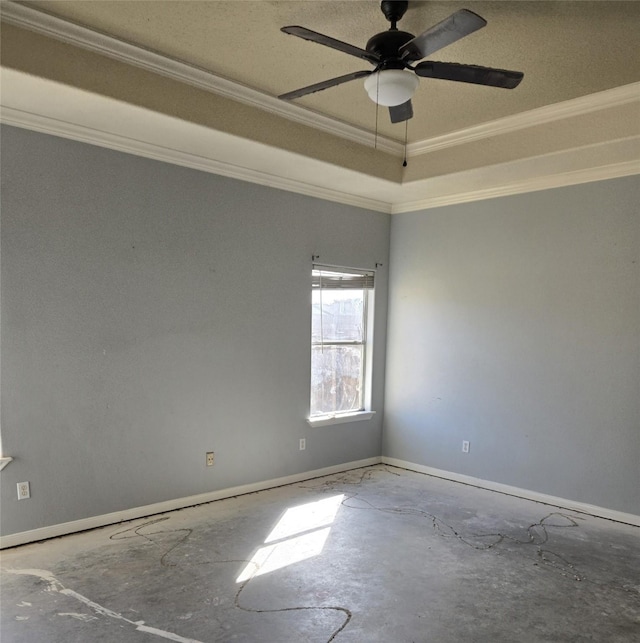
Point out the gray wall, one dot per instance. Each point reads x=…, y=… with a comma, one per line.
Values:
x=515, y=323
x=151, y=313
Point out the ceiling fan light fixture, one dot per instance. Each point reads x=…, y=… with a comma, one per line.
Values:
x=391, y=87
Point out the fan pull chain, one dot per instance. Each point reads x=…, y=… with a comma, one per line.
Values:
x=406, y=129
x=375, y=139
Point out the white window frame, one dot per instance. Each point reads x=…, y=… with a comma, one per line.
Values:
x=366, y=412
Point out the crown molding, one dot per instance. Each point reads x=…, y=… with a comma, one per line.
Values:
x=531, y=184
x=79, y=36
x=601, y=161
x=585, y=164
x=607, y=99
x=146, y=149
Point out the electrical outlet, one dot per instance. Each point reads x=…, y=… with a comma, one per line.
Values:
x=23, y=491
x=303, y=444
x=465, y=446
x=210, y=458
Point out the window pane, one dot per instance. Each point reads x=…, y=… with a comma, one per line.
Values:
x=338, y=317
x=336, y=379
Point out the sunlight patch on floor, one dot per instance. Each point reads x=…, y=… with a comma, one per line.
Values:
x=300, y=534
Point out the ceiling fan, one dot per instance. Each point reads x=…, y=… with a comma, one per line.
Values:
x=393, y=81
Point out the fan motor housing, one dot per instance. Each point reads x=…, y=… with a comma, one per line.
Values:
x=394, y=9
x=387, y=43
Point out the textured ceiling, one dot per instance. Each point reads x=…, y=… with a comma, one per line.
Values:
x=565, y=49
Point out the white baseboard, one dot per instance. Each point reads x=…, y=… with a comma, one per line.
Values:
x=582, y=507
x=62, y=529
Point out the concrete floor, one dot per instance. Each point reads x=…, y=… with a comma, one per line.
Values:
x=375, y=554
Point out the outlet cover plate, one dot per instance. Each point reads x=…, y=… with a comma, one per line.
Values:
x=24, y=491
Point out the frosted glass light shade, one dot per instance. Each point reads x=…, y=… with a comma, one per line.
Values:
x=391, y=86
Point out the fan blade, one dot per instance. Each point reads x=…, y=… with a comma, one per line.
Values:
x=400, y=113
x=470, y=74
x=321, y=39
x=456, y=26
x=325, y=84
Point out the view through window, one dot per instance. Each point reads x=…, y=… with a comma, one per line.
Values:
x=340, y=300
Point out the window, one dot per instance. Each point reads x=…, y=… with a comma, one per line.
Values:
x=341, y=325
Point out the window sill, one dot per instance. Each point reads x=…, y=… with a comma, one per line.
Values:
x=326, y=420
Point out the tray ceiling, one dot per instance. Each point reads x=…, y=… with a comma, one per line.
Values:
x=206, y=75
x=565, y=49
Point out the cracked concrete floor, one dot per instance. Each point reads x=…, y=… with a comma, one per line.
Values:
x=374, y=554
